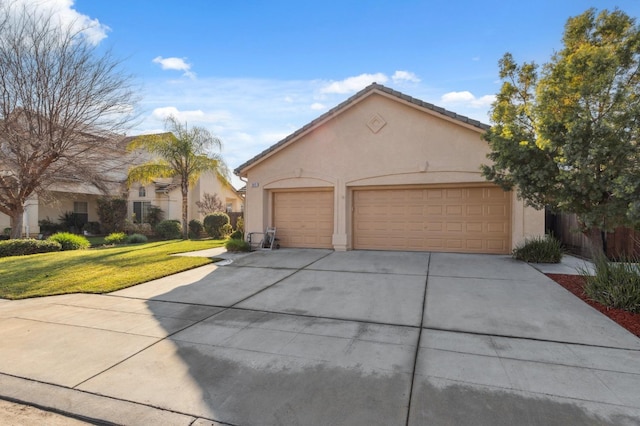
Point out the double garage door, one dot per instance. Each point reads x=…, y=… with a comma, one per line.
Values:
x=449, y=219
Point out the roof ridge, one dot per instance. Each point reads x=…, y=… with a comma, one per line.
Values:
x=373, y=86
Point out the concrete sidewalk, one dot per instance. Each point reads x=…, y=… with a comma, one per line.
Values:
x=304, y=337
x=569, y=265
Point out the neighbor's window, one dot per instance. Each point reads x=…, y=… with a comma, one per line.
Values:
x=81, y=211
x=141, y=211
x=142, y=192
x=229, y=207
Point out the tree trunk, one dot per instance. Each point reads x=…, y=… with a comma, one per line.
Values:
x=596, y=242
x=16, y=223
x=185, y=207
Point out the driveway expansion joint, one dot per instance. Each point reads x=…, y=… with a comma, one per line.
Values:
x=532, y=339
x=417, y=353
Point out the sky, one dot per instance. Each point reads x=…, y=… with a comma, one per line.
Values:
x=254, y=71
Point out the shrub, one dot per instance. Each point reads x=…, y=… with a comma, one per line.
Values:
x=237, y=235
x=72, y=222
x=615, y=284
x=545, y=249
x=195, y=228
x=227, y=229
x=213, y=224
x=115, y=238
x=155, y=215
x=169, y=229
x=47, y=226
x=92, y=228
x=136, y=239
x=112, y=213
x=234, y=245
x=240, y=224
x=70, y=241
x=138, y=228
x=27, y=246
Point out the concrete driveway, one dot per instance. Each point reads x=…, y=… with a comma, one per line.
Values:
x=316, y=337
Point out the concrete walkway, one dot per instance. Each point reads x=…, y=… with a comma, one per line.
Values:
x=315, y=337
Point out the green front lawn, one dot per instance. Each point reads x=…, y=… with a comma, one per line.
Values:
x=100, y=270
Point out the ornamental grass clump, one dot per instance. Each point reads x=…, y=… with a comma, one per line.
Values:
x=115, y=238
x=235, y=245
x=614, y=284
x=547, y=249
x=70, y=241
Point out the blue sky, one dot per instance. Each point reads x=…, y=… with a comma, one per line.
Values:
x=253, y=72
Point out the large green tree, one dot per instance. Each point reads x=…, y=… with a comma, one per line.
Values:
x=567, y=138
x=183, y=152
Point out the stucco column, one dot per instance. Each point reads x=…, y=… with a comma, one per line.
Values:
x=340, y=239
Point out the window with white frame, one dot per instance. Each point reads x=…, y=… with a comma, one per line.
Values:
x=142, y=192
x=141, y=211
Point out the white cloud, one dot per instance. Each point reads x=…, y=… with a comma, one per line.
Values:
x=178, y=64
x=467, y=98
x=198, y=116
x=401, y=76
x=317, y=106
x=353, y=84
x=456, y=97
x=63, y=11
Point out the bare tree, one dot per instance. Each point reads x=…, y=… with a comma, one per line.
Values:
x=210, y=204
x=61, y=105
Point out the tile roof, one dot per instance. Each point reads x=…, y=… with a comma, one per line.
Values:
x=336, y=110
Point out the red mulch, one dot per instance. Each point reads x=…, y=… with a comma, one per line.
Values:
x=575, y=284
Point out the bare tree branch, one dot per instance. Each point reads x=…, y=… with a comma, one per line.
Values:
x=62, y=107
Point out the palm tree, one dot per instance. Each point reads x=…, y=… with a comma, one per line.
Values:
x=182, y=152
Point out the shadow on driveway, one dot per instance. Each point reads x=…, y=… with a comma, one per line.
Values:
x=314, y=337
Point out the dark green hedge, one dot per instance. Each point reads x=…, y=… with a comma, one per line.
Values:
x=21, y=247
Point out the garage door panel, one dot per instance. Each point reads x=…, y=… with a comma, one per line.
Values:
x=474, y=227
x=304, y=219
x=475, y=219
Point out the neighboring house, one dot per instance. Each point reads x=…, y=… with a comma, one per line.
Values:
x=76, y=197
x=385, y=171
x=165, y=193
x=81, y=198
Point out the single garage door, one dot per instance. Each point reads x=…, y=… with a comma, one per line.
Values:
x=449, y=219
x=303, y=219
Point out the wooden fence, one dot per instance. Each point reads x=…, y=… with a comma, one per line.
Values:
x=233, y=218
x=623, y=242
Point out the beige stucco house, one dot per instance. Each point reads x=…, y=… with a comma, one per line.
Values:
x=384, y=171
x=82, y=198
x=75, y=197
x=166, y=194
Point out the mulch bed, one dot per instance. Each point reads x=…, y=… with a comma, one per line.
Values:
x=575, y=284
